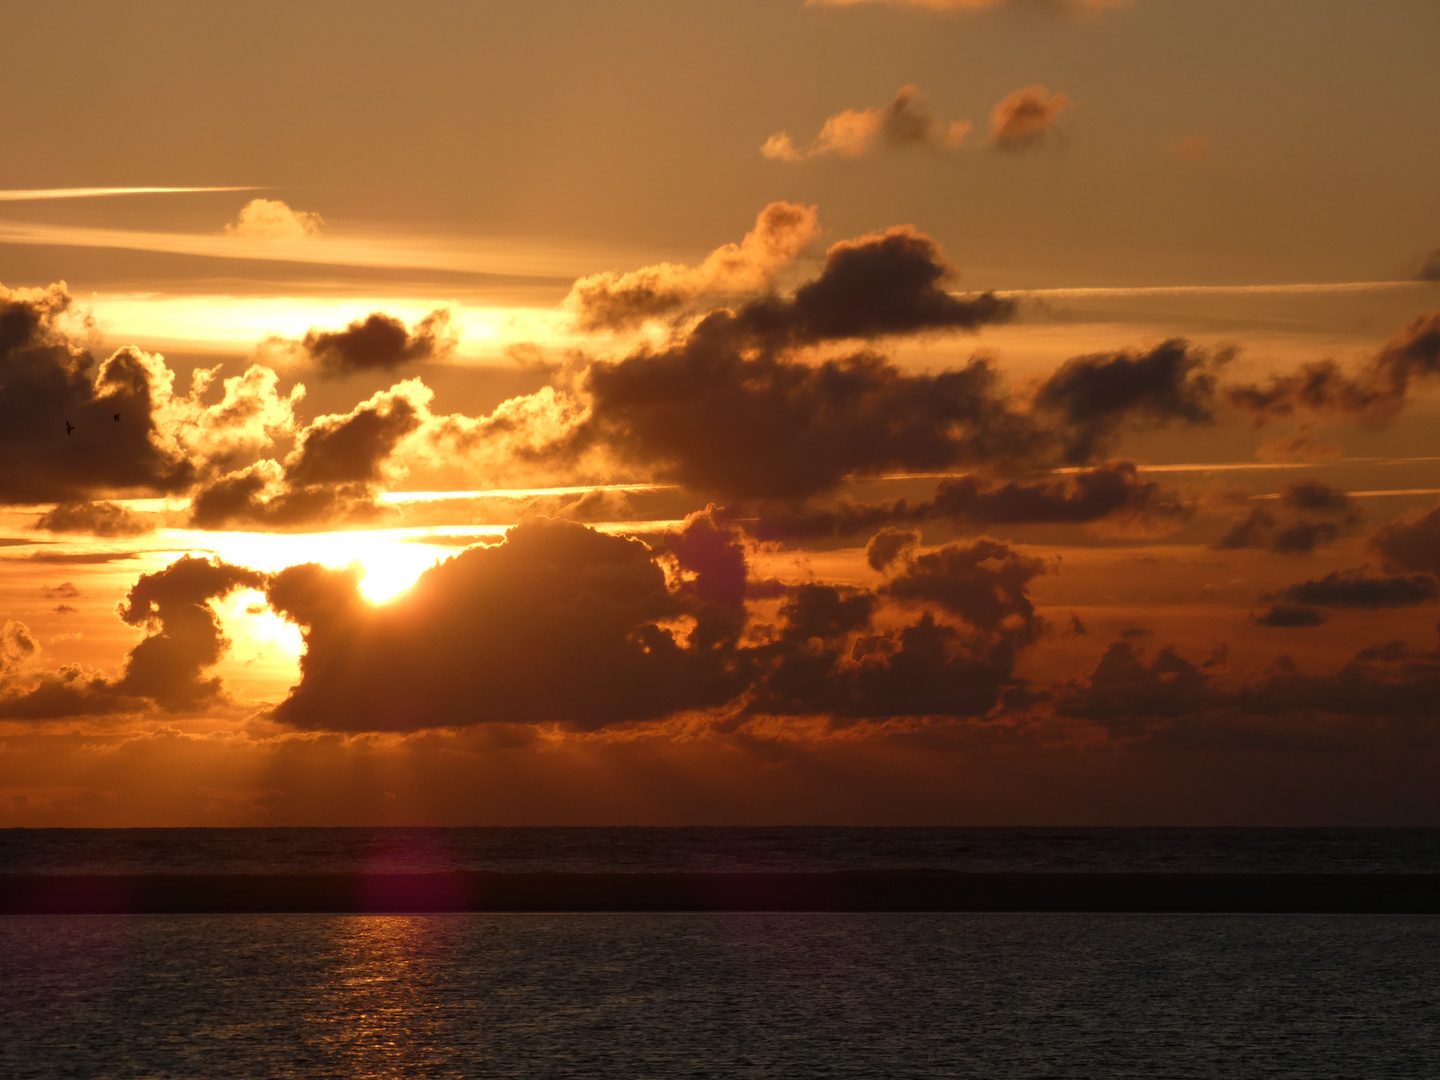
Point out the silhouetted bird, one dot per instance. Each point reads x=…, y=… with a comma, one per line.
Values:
x=117, y=417
x=69, y=427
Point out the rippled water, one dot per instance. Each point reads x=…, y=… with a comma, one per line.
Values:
x=784, y=996
x=661, y=849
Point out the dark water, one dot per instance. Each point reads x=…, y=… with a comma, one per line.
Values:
x=782, y=996
x=778, y=849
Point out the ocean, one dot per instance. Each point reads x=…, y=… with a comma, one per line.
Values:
x=719, y=995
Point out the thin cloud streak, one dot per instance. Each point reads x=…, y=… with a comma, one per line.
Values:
x=511, y=257
x=37, y=194
x=1292, y=288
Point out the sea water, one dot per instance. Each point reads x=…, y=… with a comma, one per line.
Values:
x=719, y=995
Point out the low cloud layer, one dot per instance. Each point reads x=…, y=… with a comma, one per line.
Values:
x=909, y=121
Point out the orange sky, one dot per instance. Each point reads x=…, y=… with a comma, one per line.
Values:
x=851, y=412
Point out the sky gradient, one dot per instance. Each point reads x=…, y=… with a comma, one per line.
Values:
x=855, y=412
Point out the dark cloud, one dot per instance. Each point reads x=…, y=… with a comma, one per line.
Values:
x=379, y=342
x=706, y=416
x=1374, y=393
x=889, y=544
x=1125, y=688
x=925, y=669
x=1136, y=698
x=95, y=518
x=560, y=624
x=1096, y=397
x=167, y=666
x=66, y=590
x=710, y=558
x=825, y=612
x=1360, y=589
x=1429, y=268
x=1024, y=118
x=563, y=624
x=1312, y=496
x=984, y=583
x=1411, y=544
x=878, y=285
x=1388, y=681
x=1112, y=492
x=184, y=637
x=48, y=380
x=1291, y=616
x=1310, y=514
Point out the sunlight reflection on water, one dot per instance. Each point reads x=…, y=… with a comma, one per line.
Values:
x=721, y=995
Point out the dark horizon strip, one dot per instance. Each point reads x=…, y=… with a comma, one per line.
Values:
x=861, y=891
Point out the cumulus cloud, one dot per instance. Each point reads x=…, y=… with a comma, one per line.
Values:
x=96, y=518
x=379, y=342
x=72, y=430
x=271, y=219
x=167, y=667
x=727, y=409
x=48, y=380
x=910, y=120
x=338, y=463
x=563, y=624
x=1025, y=118
x=558, y=624
x=985, y=583
x=621, y=301
x=824, y=662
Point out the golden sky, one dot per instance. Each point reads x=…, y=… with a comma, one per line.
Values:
x=853, y=411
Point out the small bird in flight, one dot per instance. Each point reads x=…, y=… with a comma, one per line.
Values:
x=69, y=427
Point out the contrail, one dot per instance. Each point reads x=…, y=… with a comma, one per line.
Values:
x=32, y=194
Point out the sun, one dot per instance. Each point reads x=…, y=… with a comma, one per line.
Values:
x=390, y=559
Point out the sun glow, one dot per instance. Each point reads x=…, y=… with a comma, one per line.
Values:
x=390, y=559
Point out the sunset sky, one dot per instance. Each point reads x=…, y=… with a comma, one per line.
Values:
x=749, y=412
